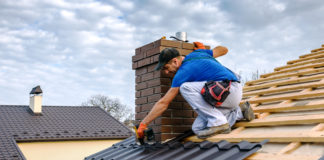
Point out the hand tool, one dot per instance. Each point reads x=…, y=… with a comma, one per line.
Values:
x=148, y=138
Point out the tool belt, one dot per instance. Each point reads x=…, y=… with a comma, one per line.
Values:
x=215, y=92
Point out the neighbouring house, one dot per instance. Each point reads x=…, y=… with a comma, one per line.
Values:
x=39, y=132
x=288, y=105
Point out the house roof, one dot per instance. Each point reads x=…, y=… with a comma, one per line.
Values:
x=289, y=106
x=18, y=124
x=175, y=149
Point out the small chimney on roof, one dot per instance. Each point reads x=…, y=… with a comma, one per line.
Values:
x=35, y=101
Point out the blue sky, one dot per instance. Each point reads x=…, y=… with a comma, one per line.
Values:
x=76, y=49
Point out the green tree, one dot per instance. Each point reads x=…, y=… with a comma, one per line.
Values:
x=114, y=107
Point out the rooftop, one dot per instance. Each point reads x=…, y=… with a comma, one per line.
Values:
x=177, y=150
x=19, y=124
x=289, y=107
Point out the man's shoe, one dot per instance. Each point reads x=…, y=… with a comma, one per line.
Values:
x=222, y=129
x=247, y=111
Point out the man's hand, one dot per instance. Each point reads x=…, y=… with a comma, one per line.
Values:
x=140, y=130
x=198, y=45
x=219, y=51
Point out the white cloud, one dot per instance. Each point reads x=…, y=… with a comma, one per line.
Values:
x=58, y=3
x=75, y=49
x=60, y=46
x=277, y=5
x=67, y=15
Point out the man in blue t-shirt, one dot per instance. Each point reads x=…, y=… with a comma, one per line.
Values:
x=191, y=74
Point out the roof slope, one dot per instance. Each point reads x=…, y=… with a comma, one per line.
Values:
x=17, y=123
x=176, y=150
x=289, y=104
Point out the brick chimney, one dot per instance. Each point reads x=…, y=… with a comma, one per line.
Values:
x=152, y=85
x=35, y=100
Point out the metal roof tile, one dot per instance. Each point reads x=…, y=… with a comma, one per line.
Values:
x=189, y=145
x=176, y=150
x=245, y=145
x=222, y=144
x=56, y=123
x=206, y=145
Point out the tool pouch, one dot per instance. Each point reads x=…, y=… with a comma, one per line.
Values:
x=215, y=92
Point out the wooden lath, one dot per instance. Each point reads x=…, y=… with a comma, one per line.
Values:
x=311, y=61
x=286, y=120
x=272, y=156
x=284, y=82
x=290, y=148
x=293, y=69
x=295, y=106
x=281, y=76
x=287, y=137
x=279, y=137
x=294, y=140
x=296, y=87
x=307, y=58
x=295, y=145
x=289, y=96
x=319, y=127
x=310, y=54
x=284, y=89
x=318, y=49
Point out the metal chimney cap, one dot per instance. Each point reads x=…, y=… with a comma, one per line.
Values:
x=36, y=90
x=180, y=36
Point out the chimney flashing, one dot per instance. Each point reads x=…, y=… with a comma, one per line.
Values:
x=31, y=112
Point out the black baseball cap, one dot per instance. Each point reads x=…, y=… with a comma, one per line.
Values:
x=165, y=56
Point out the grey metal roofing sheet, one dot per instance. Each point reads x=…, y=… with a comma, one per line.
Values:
x=17, y=123
x=176, y=150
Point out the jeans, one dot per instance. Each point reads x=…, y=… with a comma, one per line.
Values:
x=208, y=115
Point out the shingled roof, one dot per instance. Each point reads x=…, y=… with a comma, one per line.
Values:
x=18, y=124
x=290, y=111
x=175, y=149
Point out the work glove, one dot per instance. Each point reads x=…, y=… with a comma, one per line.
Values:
x=198, y=45
x=140, y=130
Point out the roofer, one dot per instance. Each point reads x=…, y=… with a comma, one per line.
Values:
x=212, y=90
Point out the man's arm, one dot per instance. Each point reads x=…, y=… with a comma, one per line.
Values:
x=219, y=51
x=161, y=105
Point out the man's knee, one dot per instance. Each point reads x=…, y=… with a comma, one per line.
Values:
x=195, y=129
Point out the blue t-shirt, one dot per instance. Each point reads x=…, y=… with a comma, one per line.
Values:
x=200, y=65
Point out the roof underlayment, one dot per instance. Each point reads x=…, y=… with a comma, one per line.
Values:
x=289, y=106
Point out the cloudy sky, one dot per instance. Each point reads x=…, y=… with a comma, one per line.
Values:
x=75, y=49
